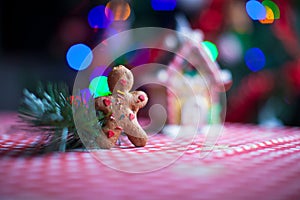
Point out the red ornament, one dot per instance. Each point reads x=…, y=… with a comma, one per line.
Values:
x=110, y=134
x=255, y=88
x=292, y=75
x=106, y=102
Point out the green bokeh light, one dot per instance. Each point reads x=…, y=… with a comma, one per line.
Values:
x=99, y=87
x=273, y=7
x=211, y=49
x=214, y=114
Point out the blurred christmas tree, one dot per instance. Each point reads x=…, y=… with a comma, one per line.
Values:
x=262, y=55
x=263, y=59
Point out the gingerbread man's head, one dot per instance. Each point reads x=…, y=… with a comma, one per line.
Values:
x=120, y=79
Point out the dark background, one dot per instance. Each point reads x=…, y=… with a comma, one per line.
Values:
x=29, y=46
x=35, y=35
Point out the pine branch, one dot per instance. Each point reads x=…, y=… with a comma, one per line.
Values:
x=50, y=110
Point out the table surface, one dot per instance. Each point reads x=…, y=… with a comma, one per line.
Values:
x=248, y=162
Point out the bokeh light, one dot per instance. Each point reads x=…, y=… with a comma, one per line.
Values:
x=85, y=95
x=163, y=5
x=99, y=87
x=255, y=59
x=99, y=17
x=269, y=16
x=99, y=71
x=79, y=56
x=119, y=8
x=273, y=6
x=211, y=49
x=232, y=42
x=192, y=5
x=255, y=10
x=140, y=57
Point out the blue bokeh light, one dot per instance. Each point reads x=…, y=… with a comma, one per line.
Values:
x=98, y=19
x=79, y=56
x=163, y=5
x=255, y=59
x=256, y=10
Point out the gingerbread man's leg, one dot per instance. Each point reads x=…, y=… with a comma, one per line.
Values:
x=109, y=135
x=136, y=134
x=137, y=141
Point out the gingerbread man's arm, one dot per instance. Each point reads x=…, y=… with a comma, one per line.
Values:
x=139, y=100
x=103, y=104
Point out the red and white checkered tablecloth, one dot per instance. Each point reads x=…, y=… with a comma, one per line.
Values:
x=251, y=163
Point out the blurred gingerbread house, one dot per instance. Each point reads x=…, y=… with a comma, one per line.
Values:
x=197, y=79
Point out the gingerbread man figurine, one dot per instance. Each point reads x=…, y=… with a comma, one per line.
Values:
x=120, y=109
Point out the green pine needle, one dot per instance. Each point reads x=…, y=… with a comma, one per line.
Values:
x=50, y=110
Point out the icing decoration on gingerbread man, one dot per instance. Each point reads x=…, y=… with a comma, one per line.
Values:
x=120, y=109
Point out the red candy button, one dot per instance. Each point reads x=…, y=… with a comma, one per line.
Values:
x=106, y=102
x=123, y=82
x=110, y=134
x=141, y=97
x=131, y=116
